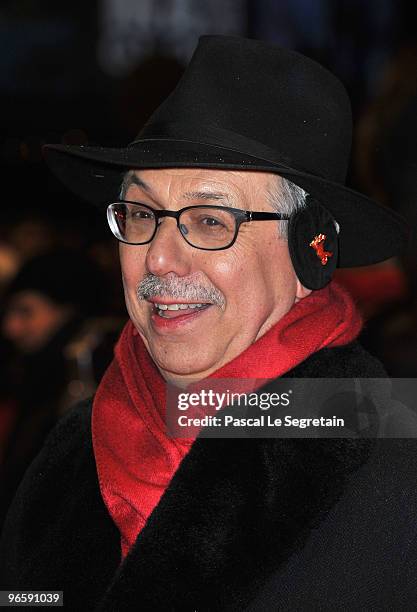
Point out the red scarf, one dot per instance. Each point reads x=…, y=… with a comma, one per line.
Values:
x=135, y=458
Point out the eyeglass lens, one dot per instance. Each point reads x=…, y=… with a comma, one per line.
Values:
x=203, y=226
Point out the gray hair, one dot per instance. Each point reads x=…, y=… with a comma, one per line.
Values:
x=125, y=183
x=287, y=198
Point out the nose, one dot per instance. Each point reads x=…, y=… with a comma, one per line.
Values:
x=168, y=251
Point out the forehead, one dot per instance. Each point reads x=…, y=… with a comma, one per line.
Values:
x=191, y=181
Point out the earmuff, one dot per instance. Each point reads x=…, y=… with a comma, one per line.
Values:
x=313, y=244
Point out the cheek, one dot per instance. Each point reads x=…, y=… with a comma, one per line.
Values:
x=226, y=268
x=132, y=264
x=226, y=271
x=270, y=278
x=132, y=270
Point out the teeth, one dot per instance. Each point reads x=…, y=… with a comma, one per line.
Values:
x=177, y=306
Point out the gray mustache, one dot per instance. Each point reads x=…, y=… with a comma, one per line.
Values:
x=177, y=287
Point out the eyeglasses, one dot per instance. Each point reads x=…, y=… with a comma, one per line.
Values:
x=210, y=228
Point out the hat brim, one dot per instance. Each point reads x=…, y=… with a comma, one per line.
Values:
x=369, y=232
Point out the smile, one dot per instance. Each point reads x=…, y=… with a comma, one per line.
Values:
x=169, y=311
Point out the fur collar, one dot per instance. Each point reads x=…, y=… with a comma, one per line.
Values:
x=233, y=513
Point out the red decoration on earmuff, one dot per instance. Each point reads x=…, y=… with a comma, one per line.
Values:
x=313, y=244
x=318, y=245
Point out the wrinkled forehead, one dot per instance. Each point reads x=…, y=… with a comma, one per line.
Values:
x=189, y=184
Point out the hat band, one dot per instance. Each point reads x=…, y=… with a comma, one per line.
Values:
x=224, y=139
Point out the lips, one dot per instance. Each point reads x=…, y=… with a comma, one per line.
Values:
x=168, y=314
x=173, y=311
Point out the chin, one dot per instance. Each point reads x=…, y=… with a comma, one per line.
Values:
x=177, y=365
x=174, y=368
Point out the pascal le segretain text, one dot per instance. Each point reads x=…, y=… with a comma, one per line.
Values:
x=261, y=421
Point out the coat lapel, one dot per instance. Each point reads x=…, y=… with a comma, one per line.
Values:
x=234, y=512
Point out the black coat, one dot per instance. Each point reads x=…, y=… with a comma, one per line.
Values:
x=245, y=524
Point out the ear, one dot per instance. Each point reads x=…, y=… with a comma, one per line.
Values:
x=301, y=291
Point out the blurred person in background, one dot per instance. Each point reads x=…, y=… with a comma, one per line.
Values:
x=33, y=234
x=45, y=309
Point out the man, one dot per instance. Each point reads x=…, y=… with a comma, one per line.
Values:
x=232, y=214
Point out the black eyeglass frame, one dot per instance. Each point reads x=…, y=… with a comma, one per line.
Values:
x=241, y=216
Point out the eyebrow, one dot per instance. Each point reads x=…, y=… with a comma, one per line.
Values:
x=206, y=195
x=132, y=179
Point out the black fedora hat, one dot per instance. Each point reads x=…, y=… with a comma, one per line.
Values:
x=247, y=105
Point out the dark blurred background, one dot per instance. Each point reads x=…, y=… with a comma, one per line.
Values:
x=91, y=73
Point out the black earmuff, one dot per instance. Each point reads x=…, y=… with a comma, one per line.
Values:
x=313, y=244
